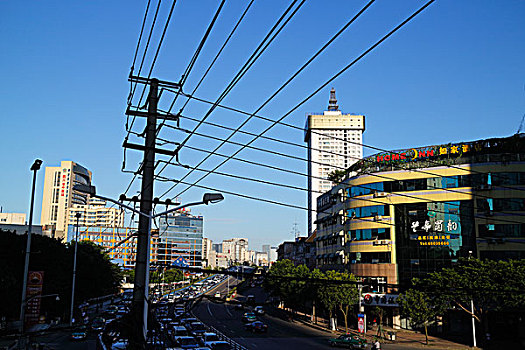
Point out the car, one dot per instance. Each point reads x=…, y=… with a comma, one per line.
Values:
x=259, y=310
x=250, y=299
x=179, y=331
x=207, y=337
x=120, y=344
x=256, y=326
x=197, y=328
x=79, y=334
x=249, y=317
x=186, y=342
x=219, y=345
x=217, y=295
x=98, y=324
x=349, y=341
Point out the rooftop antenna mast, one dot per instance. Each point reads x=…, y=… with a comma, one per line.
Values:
x=295, y=230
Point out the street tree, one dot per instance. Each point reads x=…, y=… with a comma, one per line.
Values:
x=491, y=286
x=419, y=308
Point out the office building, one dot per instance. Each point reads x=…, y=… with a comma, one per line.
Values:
x=96, y=213
x=181, y=235
x=334, y=143
x=236, y=249
x=115, y=242
x=405, y=213
x=59, y=195
x=12, y=219
x=206, y=249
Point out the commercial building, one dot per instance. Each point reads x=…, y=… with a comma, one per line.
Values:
x=12, y=218
x=405, y=213
x=300, y=251
x=334, y=143
x=96, y=213
x=270, y=251
x=59, y=195
x=236, y=249
x=217, y=247
x=206, y=249
x=216, y=259
x=181, y=236
x=120, y=243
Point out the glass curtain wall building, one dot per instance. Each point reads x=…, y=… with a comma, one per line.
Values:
x=410, y=212
x=180, y=236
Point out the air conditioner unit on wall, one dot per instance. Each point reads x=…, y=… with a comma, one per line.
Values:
x=378, y=217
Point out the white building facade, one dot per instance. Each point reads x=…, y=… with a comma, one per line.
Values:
x=59, y=195
x=334, y=143
x=95, y=213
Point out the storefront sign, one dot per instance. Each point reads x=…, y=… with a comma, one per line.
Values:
x=375, y=299
x=35, y=281
x=361, y=323
x=434, y=232
x=415, y=154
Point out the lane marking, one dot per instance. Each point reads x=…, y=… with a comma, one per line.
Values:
x=209, y=310
x=228, y=310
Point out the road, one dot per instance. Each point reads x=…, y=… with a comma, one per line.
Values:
x=60, y=340
x=281, y=334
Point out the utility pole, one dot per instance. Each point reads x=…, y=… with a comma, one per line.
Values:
x=35, y=167
x=141, y=282
x=77, y=215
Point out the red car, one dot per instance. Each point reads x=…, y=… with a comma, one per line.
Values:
x=256, y=326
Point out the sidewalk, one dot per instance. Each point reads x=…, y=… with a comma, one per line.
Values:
x=405, y=339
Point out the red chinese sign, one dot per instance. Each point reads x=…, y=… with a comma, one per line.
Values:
x=35, y=280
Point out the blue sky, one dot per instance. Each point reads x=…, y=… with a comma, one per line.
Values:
x=455, y=73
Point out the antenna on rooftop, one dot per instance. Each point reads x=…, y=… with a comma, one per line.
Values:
x=295, y=230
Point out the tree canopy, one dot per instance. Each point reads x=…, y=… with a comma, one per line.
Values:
x=96, y=275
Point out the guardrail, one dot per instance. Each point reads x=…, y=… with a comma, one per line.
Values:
x=233, y=344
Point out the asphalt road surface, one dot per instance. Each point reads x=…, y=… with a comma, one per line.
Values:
x=281, y=334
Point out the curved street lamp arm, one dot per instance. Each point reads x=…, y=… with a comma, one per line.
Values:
x=177, y=208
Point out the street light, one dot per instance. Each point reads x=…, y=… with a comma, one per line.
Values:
x=77, y=215
x=142, y=279
x=207, y=198
x=35, y=167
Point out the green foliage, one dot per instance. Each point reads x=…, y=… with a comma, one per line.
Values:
x=171, y=275
x=297, y=285
x=419, y=307
x=336, y=295
x=96, y=275
x=492, y=285
x=336, y=176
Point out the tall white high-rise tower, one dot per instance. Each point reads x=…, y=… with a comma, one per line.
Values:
x=334, y=143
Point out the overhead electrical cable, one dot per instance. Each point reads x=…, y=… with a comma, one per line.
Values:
x=321, y=87
x=333, y=137
x=269, y=99
x=270, y=36
x=187, y=72
x=130, y=97
x=216, y=56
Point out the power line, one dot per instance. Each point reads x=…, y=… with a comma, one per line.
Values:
x=217, y=55
x=361, y=186
x=137, y=50
x=405, y=195
x=168, y=19
x=249, y=63
x=145, y=52
x=306, y=64
x=270, y=36
x=187, y=72
x=323, y=85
